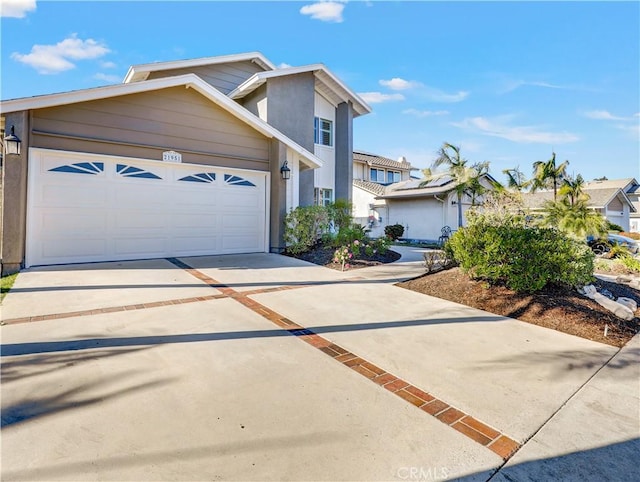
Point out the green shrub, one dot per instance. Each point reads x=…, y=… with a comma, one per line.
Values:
x=348, y=234
x=525, y=259
x=381, y=244
x=304, y=226
x=617, y=251
x=340, y=214
x=631, y=263
x=613, y=227
x=394, y=231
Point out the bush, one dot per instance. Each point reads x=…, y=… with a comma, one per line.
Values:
x=348, y=234
x=340, y=214
x=631, y=263
x=304, y=226
x=394, y=231
x=381, y=245
x=525, y=259
x=613, y=227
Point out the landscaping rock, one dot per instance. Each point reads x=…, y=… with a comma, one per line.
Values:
x=628, y=302
x=618, y=309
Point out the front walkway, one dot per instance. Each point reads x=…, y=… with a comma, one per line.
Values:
x=191, y=369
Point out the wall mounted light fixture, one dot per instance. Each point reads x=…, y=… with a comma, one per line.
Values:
x=12, y=143
x=285, y=171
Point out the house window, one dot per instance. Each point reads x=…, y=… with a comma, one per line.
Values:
x=323, y=197
x=393, y=176
x=377, y=175
x=322, y=131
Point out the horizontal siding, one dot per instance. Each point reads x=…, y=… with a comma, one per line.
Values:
x=224, y=77
x=177, y=118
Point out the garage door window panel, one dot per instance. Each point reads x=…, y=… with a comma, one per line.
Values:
x=132, y=171
x=81, y=168
x=203, y=177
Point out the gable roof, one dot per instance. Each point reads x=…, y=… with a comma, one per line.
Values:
x=137, y=73
x=188, y=81
x=624, y=184
x=326, y=83
x=379, y=161
x=599, y=198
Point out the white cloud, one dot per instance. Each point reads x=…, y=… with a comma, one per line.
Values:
x=399, y=84
x=16, y=8
x=605, y=115
x=510, y=85
x=429, y=93
x=378, y=97
x=283, y=65
x=53, y=59
x=425, y=113
x=499, y=127
x=633, y=129
x=326, y=11
x=437, y=95
x=108, y=65
x=107, y=77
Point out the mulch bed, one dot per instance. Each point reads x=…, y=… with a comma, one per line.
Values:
x=558, y=308
x=324, y=257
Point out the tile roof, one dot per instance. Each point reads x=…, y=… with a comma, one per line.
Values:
x=372, y=187
x=375, y=160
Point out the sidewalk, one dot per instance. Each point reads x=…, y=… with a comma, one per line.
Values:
x=594, y=436
x=410, y=265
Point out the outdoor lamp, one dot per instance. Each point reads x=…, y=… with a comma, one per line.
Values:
x=12, y=143
x=285, y=171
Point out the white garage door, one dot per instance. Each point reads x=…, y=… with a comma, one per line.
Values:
x=86, y=207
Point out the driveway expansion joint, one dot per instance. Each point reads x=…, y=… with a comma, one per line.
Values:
x=460, y=421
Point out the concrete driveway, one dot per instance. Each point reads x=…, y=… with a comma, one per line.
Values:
x=263, y=367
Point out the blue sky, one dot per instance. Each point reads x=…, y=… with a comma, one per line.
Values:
x=508, y=82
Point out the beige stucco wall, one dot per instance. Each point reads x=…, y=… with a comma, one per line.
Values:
x=14, y=197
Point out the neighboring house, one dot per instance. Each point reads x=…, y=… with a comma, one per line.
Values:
x=183, y=158
x=631, y=188
x=424, y=210
x=605, y=197
x=371, y=173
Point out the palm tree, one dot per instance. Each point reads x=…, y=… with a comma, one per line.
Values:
x=465, y=177
x=516, y=179
x=572, y=190
x=577, y=220
x=547, y=174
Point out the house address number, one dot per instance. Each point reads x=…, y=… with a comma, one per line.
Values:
x=171, y=156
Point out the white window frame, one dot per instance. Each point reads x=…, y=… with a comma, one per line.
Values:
x=378, y=171
x=323, y=196
x=394, y=175
x=318, y=132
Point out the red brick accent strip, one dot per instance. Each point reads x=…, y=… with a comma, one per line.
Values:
x=110, y=309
